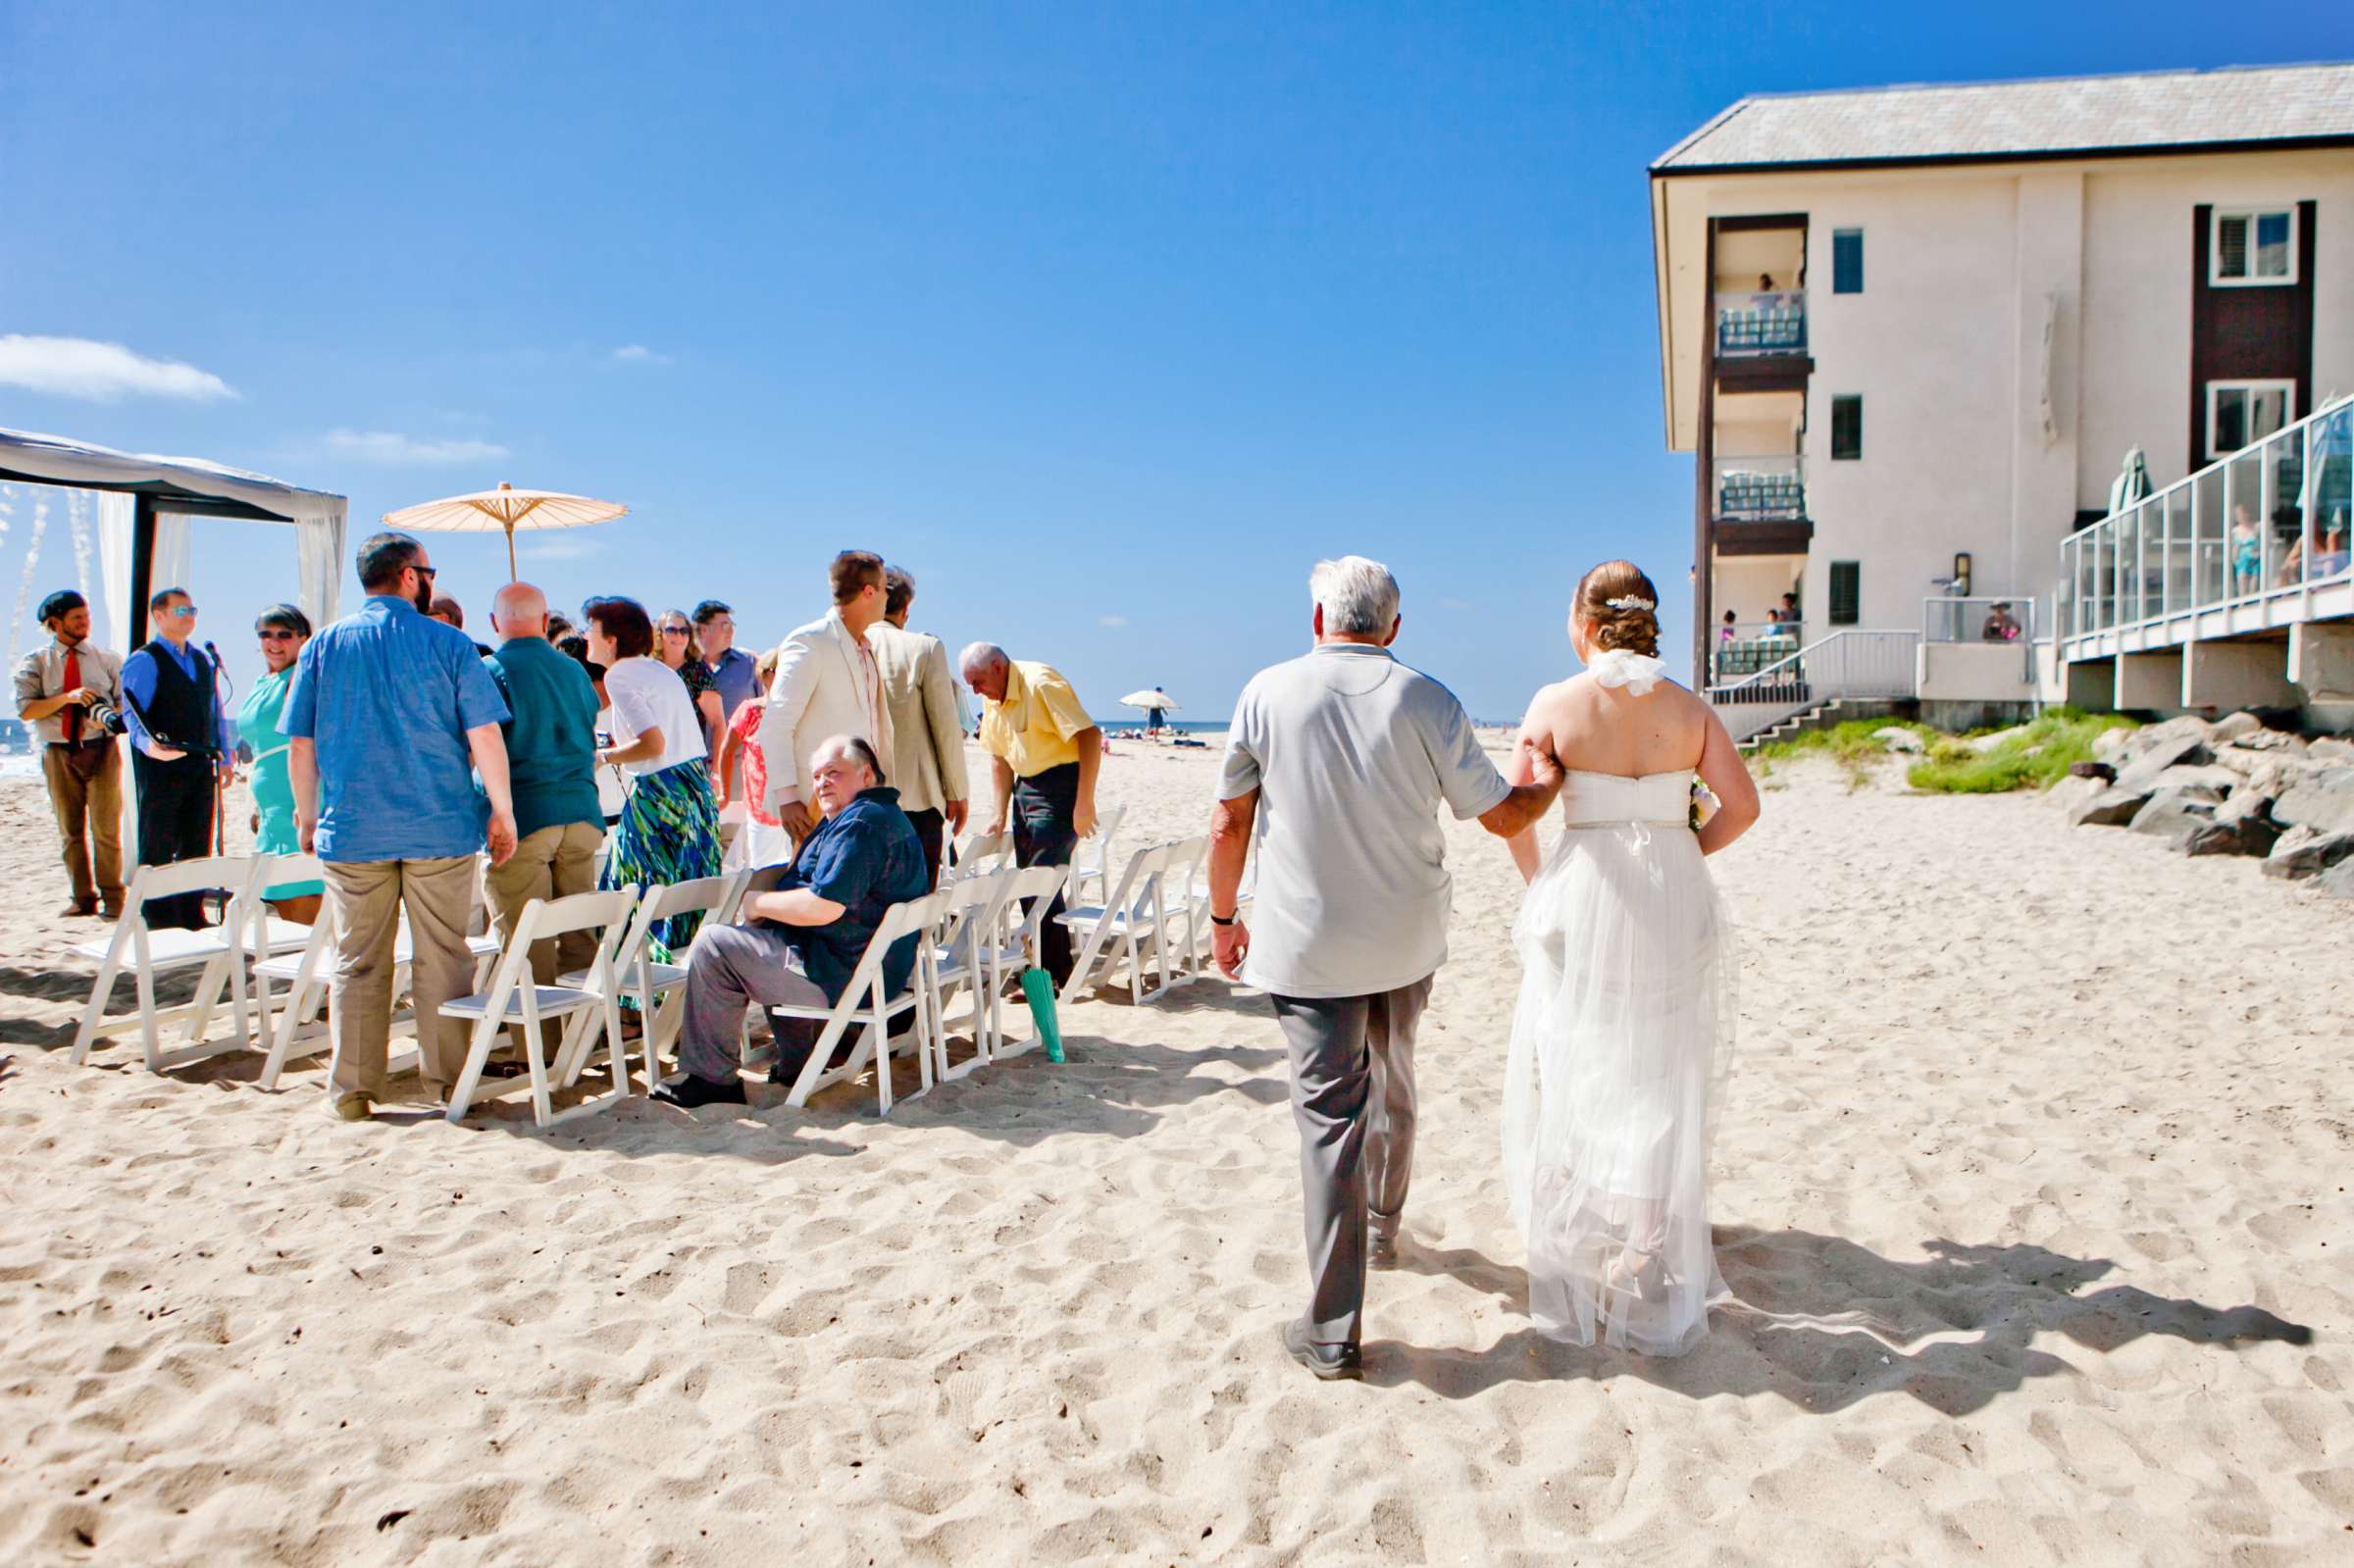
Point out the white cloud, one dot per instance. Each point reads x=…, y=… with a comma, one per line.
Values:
x=570, y=545
x=1115, y=620
x=393, y=448
x=1455, y=604
x=640, y=354
x=101, y=373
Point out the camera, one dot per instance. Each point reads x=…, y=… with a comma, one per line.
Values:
x=106, y=719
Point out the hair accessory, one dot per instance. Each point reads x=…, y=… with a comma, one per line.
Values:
x=1629, y=603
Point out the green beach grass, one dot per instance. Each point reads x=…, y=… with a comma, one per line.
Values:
x=2036, y=757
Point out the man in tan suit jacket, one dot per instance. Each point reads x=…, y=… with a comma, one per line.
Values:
x=827, y=683
x=922, y=698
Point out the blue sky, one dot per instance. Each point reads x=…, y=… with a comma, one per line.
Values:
x=1104, y=321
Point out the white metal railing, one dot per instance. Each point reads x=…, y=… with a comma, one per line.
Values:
x=1769, y=322
x=2266, y=524
x=1985, y=620
x=1853, y=665
x=1760, y=487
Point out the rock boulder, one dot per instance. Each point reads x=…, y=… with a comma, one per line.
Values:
x=2172, y=811
x=2111, y=809
x=2303, y=852
x=2321, y=798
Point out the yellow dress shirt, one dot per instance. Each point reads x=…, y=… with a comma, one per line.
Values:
x=1032, y=728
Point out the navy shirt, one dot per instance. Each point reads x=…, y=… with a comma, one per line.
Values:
x=386, y=696
x=866, y=859
x=738, y=677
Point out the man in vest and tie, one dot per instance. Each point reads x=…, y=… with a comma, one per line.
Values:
x=181, y=746
x=67, y=691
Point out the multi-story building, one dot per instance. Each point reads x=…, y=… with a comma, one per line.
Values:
x=1913, y=334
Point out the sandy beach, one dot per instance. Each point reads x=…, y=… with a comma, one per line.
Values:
x=2030, y=1184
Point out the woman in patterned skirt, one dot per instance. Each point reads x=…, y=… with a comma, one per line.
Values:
x=669, y=831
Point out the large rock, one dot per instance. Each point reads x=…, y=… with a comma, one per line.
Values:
x=2111, y=809
x=2339, y=879
x=2114, y=745
x=2303, y=852
x=2175, y=751
x=2336, y=748
x=2210, y=777
x=2320, y=798
x=2232, y=727
x=1896, y=738
x=2244, y=804
x=2170, y=812
x=1993, y=738
x=2267, y=740
x=2250, y=837
x=2092, y=770
x=2069, y=793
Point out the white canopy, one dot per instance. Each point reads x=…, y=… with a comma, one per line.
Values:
x=170, y=490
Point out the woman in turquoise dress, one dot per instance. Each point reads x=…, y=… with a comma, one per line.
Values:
x=283, y=631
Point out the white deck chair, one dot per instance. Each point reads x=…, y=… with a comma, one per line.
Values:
x=308, y=973
x=971, y=955
x=514, y=1002
x=978, y=855
x=149, y=953
x=1148, y=910
x=864, y=1004
x=661, y=988
x=1091, y=860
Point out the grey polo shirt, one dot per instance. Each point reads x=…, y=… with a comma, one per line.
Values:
x=1351, y=753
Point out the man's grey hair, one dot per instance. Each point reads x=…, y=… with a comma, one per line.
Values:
x=856, y=749
x=1359, y=597
x=981, y=656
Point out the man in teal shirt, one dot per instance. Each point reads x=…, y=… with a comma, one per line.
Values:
x=551, y=770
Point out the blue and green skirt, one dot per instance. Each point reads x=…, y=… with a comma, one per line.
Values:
x=669, y=833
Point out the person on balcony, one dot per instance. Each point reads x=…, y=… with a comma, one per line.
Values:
x=2000, y=625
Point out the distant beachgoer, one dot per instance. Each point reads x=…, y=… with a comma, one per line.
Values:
x=669, y=830
x=1048, y=753
x=392, y=716
x=799, y=944
x=183, y=747
x=2000, y=625
x=283, y=631
x=828, y=683
x=2247, y=551
x=926, y=735
x=676, y=646
x=63, y=690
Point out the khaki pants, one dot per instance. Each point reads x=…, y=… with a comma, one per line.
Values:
x=365, y=899
x=89, y=821
x=549, y=863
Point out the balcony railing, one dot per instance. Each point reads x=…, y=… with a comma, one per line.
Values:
x=2270, y=522
x=1760, y=324
x=1759, y=488
x=1745, y=647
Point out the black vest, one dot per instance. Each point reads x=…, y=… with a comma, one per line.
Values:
x=181, y=712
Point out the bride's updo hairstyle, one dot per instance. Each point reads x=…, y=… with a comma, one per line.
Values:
x=1619, y=607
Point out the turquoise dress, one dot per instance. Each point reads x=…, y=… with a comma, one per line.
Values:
x=273, y=790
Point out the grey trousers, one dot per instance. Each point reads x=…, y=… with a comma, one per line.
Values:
x=734, y=967
x=1353, y=1098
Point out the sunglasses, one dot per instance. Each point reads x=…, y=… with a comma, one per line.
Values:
x=673, y=631
x=429, y=573
x=272, y=634
x=182, y=611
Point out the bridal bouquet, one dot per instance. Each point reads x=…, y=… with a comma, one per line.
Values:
x=1705, y=803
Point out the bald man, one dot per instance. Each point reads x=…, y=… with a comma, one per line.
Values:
x=551, y=768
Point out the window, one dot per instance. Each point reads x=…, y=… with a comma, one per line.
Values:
x=2253, y=248
x=2242, y=413
x=1847, y=261
x=1847, y=428
x=1847, y=593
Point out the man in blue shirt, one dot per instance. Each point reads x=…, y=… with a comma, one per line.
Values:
x=181, y=746
x=391, y=714
x=863, y=858
x=732, y=669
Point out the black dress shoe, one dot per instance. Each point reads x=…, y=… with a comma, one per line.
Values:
x=1328, y=1361
x=692, y=1093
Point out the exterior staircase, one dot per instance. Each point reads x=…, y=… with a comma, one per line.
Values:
x=1836, y=676
x=1826, y=715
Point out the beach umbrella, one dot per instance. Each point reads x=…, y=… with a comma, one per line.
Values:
x=504, y=510
x=2132, y=485
x=1150, y=700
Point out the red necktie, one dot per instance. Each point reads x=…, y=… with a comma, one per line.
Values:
x=72, y=709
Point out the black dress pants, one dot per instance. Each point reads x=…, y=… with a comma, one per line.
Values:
x=176, y=822
x=929, y=825
x=1045, y=834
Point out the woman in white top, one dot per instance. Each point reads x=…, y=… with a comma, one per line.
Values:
x=669, y=831
x=1624, y=1030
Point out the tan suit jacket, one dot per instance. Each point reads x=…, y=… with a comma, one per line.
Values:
x=922, y=699
x=822, y=690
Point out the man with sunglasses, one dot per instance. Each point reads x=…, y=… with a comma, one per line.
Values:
x=181, y=745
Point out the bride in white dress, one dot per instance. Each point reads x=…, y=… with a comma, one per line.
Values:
x=1625, y=1029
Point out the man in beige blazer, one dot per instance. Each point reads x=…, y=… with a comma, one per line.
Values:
x=928, y=739
x=826, y=684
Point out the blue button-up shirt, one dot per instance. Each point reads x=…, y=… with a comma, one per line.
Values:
x=386, y=696
x=738, y=677
x=866, y=859
x=139, y=683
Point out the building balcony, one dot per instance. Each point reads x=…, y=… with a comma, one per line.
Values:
x=1762, y=325
x=1760, y=489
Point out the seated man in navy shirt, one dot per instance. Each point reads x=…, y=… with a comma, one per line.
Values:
x=800, y=943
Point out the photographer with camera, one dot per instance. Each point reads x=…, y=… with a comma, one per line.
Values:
x=71, y=693
x=183, y=747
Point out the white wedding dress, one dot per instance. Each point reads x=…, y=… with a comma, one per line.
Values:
x=1620, y=1046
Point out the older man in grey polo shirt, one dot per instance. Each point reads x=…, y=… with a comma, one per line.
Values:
x=1339, y=760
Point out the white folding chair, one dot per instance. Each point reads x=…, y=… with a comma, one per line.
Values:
x=149, y=953
x=1118, y=930
x=970, y=953
x=1185, y=906
x=1029, y=894
x=661, y=988
x=308, y=973
x=1091, y=859
x=863, y=1003
x=981, y=854
x=514, y=1002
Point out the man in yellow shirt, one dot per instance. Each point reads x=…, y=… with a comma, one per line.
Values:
x=1047, y=751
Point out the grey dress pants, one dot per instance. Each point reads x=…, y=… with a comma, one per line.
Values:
x=1353, y=1099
